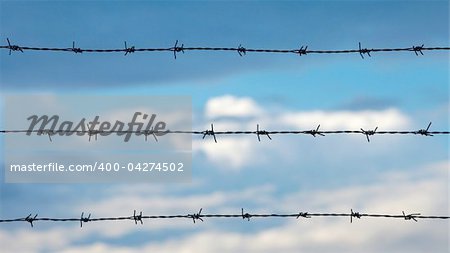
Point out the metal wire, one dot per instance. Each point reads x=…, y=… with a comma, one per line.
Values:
x=176, y=48
x=199, y=216
x=213, y=133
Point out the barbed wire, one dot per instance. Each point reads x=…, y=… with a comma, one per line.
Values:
x=177, y=48
x=211, y=132
x=199, y=216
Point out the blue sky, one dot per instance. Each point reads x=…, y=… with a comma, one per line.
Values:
x=334, y=173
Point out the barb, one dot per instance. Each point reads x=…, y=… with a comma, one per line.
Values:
x=214, y=133
x=47, y=132
x=210, y=132
x=418, y=49
x=150, y=132
x=84, y=219
x=245, y=215
x=369, y=133
x=242, y=215
x=425, y=131
x=315, y=132
x=363, y=51
x=354, y=214
x=92, y=132
x=30, y=219
x=177, y=49
x=304, y=215
x=241, y=50
x=303, y=50
x=196, y=216
x=76, y=50
x=137, y=218
x=12, y=47
x=261, y=132
x=412, y=216
x=129, y=50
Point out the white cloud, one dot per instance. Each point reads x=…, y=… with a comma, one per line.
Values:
x=389, y=119
x=237, y=152
x=37, y=240
x=230, y=154
x=421, y=190
x=231, y=106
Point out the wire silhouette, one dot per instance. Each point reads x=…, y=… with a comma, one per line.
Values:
x=199, y=216
x=242, y=51
x=214, y=133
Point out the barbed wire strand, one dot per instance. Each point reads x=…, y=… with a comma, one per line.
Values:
x=199, y=216
x=242, y=51
x=211, y=132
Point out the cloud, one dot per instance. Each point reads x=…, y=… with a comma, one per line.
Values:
x=231, y=154
x=38, y=240
x=349, y=120
x=422, y=189
x=237, y=152
x=392, y=191
x=231, y=106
